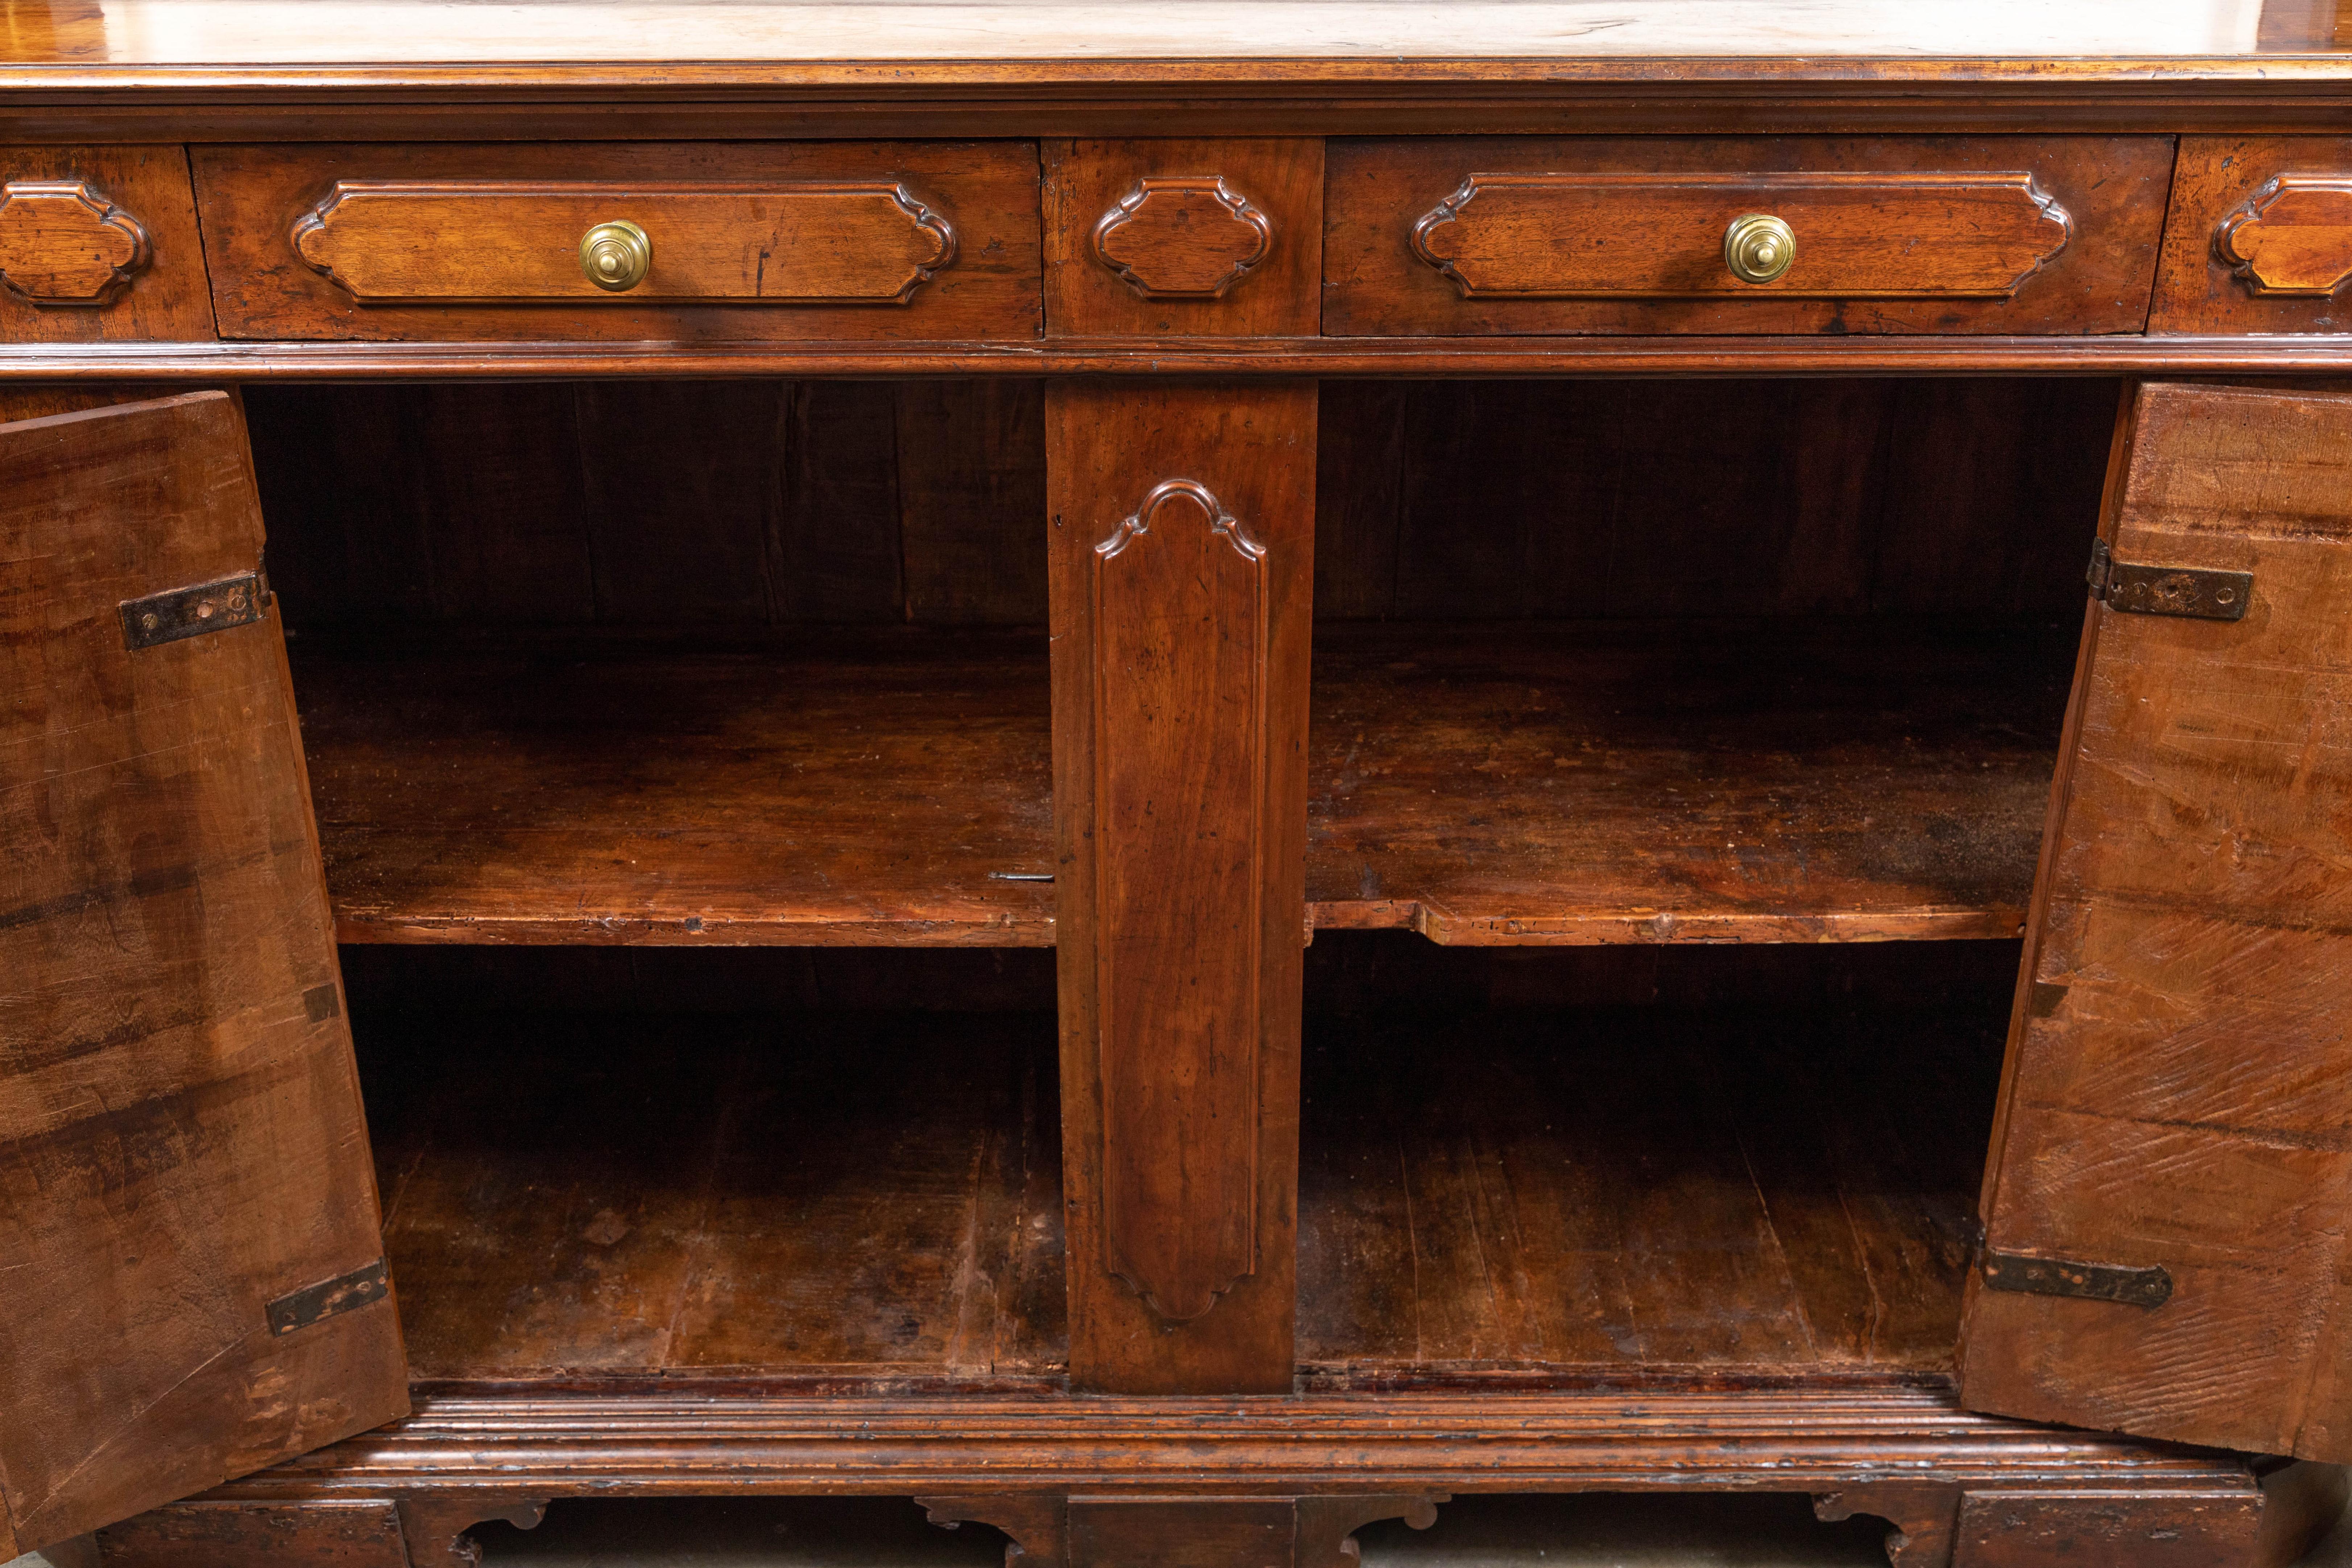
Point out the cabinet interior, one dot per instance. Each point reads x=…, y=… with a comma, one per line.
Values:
x=1679, y=752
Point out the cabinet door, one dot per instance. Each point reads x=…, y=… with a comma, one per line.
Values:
x=192, y=1280
x=2169, y=1205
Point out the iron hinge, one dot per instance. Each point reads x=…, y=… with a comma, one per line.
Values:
x=314, y=1303
x=2191, y=591
x=2128, y=1284
x=215, y=607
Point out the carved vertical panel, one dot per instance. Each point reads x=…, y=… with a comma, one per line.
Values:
x=1180, y=653
x=1183, y=543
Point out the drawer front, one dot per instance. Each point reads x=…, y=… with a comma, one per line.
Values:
x=2260, y=237
x=1528, y=234
x=99, y=245
x=822, y=241
x=1173, y=237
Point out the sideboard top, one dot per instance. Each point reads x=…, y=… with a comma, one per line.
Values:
x=262, y=40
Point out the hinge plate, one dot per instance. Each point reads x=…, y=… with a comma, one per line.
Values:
x=237, y=601
x=314, y=1303
x=2191, y=591
x=2131, y=1286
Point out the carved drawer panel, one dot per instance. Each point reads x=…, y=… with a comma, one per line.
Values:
x=2260, y=237
x=99, y=245
x=1528, y=234
x=832, y=240
x=1178, y=237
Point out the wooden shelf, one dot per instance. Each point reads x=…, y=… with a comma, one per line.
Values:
x=830, y=1201
x=1563, y=1195
x=1605, y=782
x=1566, y=782
x=850, y=1202
x=869, y=787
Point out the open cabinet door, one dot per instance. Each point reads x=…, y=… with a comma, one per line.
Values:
x=192, y=1278
x=2169, y=1205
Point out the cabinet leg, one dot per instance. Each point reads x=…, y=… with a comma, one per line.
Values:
x=1034, y=1523
x=437, y=1524
x=1922, y=1519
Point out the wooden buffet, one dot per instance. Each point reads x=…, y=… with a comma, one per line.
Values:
x=1177, y=775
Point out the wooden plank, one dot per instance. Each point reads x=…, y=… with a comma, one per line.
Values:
x=886, y=787
x=1530, y=1195
x=1184, y=520
x=2176, y=1095
x=836, y=552
x=1665, y=781
x=180, y=1135
x=875, y=1206
x=231, y=1535
x=972, y=501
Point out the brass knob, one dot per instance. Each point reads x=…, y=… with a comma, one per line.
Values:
x=616, y=255
x=1758, y=247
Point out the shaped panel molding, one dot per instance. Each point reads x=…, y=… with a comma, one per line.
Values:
x=1188, y=236
x=1884, y=236
x=61, y=243
x=1180, y=612
x=2291, y=237
x=481, y=241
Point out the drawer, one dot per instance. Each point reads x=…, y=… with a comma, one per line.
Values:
x=915, y=240
x=1535, y=235
x=99, y=245
x=1172, y=237
x=2260, y=238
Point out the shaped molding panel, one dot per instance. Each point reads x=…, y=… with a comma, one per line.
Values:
x=1188, y=237
x=480, y=241
x=61, y=243
x=1859, y=236
x=1181, y=608
x=2293, y=238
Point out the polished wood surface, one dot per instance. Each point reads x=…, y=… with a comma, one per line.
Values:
x=1653, y=235
x=2259, y=238
x=220, y=1534
x=99, y=245
x=1594, y=235
x=2175, y=1097
x=1176, y=237
x=1182, y=560
x=388, y=242
x=518, y=246
x=180, y=1123
x=229, y=33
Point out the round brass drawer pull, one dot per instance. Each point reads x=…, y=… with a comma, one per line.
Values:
x=1758, y=247
x=616, y=255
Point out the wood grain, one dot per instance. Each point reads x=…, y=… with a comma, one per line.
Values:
x=1382, y=191
x=2218, y=252
x=821, y=1201
x=1184, y=238
x=810, y=242
x=1648, y=236
x=1531, y=1198
x=118, y=262
x=180, y=1123
x=62, y=244
x=2175, y=1091
x=1681, y=780
x=837, y=788
x=1183, y=566
x=253, y=197
x=232, y=1535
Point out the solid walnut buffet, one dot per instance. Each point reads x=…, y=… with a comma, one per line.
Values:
x=1176, y=795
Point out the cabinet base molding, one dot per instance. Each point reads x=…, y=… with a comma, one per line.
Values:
x=1180, y=1530
x=1081, y=1482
